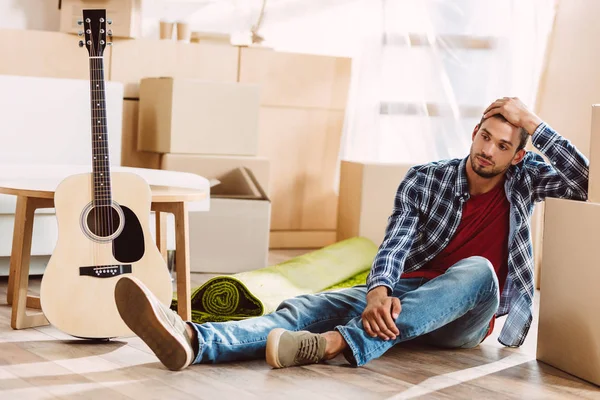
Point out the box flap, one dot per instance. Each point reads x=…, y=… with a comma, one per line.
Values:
x=239, y=183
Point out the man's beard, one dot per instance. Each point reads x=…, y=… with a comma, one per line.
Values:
x=485, y=174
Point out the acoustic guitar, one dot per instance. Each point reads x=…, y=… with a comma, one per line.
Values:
x=103, y=226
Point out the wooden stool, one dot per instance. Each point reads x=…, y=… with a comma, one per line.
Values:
x=164, y=200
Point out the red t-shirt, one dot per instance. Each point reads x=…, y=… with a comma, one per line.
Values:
x=483, y=231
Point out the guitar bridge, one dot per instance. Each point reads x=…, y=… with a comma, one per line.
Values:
x=105, y=271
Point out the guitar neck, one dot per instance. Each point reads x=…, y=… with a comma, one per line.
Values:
x=100, y=156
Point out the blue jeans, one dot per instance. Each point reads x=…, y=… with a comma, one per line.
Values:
x=453, y=310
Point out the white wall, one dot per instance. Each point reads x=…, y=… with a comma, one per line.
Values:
x=29, y=14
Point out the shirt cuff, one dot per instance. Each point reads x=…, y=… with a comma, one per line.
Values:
x=543, y=137
x=380, y=282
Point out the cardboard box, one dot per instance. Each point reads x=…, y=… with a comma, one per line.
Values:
x=133, y=60
x=569, y=322
x=130, y=155
x=570, y=81
x=125, y=15
x=215, y=167
x=594, y=179
x=44, y=54
x=198, y=117
x=366, y=200
x=234, y=235
x=303, y=146
x=297, y=80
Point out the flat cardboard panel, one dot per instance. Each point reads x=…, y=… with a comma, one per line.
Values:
x=301, y=239
x=297, y=80
x=571, y=83
x=349, y=200
x=155, y=118
x=215, y=167
x=133, y=60
x=569, y=326
x=380, y=184
x=367, y=193
x=44, y=54
x=594, y=181
x=187, y=116
x=130, y=155
x=125, y=15
x=303, y=146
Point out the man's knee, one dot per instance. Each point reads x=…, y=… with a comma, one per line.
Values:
x=295, y=303
x=482, y=273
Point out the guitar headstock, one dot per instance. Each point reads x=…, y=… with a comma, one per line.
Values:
x=94, y=32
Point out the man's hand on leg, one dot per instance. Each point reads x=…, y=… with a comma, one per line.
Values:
x=379, y=317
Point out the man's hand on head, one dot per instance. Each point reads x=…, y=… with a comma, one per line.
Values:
x=515, y=112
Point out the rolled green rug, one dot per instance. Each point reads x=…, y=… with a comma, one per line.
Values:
x=254, y=293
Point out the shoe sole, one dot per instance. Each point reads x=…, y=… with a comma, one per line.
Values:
x=142, y=317
x=272, y=351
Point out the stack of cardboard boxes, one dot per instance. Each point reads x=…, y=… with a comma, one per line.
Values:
x=211, y=129
x=302, y=109
x=289, y=140
x=569, y=320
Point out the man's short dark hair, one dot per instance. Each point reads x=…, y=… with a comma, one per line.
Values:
x=524, y=135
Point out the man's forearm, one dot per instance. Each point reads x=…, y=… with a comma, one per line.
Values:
x=531, y=123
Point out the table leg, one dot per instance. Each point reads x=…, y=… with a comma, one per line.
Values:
x=182, y=255
x=19, y=267
x=182, y=261
x=161, y=233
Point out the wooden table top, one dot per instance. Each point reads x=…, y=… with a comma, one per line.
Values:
x=41, y=182
x=160, y=194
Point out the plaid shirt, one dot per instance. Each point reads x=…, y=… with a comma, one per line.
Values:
x=428, y=209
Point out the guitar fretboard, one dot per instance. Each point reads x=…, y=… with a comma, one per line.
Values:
x=100, y=156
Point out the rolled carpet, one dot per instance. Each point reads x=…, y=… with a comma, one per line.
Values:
x=259, y=292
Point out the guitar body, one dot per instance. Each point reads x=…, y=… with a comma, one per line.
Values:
x=91, y=255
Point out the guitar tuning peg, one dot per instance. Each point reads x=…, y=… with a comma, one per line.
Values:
x=80, y=33
x=109, y=32
x=79, y=22
x=109, y=21
x=81, y=43
x=109, y=43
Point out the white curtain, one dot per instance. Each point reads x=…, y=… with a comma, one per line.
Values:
x=418, y=92
x=423, y=70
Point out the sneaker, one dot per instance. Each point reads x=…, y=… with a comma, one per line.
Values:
x=156, y=324
x=288, y=349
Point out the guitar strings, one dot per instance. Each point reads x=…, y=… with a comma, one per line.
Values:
x=93, y=100
x=98, y=195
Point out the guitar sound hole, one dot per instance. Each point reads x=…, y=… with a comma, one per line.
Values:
x=103, y=221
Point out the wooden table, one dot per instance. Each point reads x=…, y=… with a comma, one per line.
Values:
x=165, y=199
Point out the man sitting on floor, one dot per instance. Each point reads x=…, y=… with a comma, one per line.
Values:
x=457, y=254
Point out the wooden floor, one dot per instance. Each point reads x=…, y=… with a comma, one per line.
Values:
x=44, y=363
